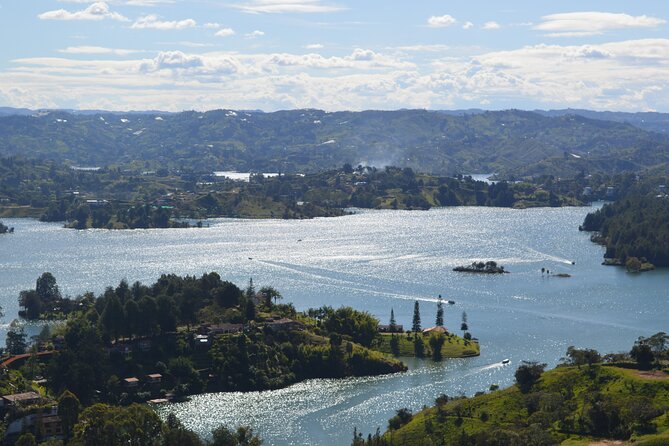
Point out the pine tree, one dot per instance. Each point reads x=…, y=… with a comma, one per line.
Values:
x=392, y=324
x=464, y=326
x=416, y=318
x=440, y=312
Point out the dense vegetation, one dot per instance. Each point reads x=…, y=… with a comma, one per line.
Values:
x=117, y=199
x=589, y=398
x=489, y=267
x=524, y=143
x=137, y=330
x=634, y=229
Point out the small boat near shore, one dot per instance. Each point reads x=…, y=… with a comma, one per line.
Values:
x=506, y=361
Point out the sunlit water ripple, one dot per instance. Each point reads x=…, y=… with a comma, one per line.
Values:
x=374, y=260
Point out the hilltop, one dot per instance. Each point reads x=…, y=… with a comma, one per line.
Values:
x=512, y=142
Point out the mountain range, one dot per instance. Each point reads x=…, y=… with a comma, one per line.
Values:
x=513, y=143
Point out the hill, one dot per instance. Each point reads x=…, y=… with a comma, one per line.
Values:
x=575, y=406
x=509, y=142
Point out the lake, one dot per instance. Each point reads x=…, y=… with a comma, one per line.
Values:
x=375, y=261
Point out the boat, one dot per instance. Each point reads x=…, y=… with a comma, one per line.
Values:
x=451, y=302
x=506, y=361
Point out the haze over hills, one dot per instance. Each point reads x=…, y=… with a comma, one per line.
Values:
x=510, y=142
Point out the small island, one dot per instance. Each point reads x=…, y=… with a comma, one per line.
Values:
x=489, y=267
x=4, y=229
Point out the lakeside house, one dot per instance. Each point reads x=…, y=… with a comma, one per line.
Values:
x=18, y=400
x=436, y=329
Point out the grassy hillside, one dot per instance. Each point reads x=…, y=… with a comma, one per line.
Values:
x=453, y=347
x=568, y=405
x=310, y=140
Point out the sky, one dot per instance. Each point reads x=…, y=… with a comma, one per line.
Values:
x=175, y=55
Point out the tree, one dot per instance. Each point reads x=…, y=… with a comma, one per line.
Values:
x=133, y=319
x=392, y=325
x=269, y=293
x=643, y=355
x=68, y=411
x=440, y=312
x=359, y=325
x=402, y=417
x=633, y=264
x=250, y=290
x=395, y=345
x=580, y=357
x=250, y=311
x=16, y=339
x=436, y=342
x=227, y=295
x=464, y=326
x=418, y=346
x=26, y=439
x=528, y=374
x=415, y=325
x=244, y=436
x=46, y=288
x=112, y=317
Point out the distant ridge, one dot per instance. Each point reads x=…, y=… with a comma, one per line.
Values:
x=514, y=143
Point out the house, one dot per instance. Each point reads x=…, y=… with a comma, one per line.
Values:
x=284, y=324
x=437, y=329
x=154, y=378
x=131, y=382
x=225, y=328
x=44, y=423
x=18, y=400
x=202, y=340
x=391, y=328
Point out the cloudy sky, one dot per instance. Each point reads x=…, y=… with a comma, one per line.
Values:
x=334, y=54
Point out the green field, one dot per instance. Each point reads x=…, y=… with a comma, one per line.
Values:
x=454, y=347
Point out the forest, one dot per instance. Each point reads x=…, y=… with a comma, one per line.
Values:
x=634, y=229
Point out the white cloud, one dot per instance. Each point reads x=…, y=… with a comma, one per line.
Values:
x=126, y=2
x=153, y=22
x=491, y=25
x=625, y=75
x=441, y=21
x=314, y=46
x=97, y=50
x=96, y=11
x=287, y=6
x=579, y=24
x=225, y=32
x=467, y=25
x=254, y=34
x=211, y=25
x=433, y=48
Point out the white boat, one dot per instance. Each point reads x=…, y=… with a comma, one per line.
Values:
x=506, y=361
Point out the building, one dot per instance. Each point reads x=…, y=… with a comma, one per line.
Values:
x=284, y=324
x=154, y=378
x=131, y=382
x=436, y=329
x=44, y=423
x=19, y=400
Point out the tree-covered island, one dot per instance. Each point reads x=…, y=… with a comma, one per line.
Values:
x=180, y=336
x=116, y=198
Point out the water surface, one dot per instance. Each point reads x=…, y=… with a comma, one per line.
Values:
x=374, y=260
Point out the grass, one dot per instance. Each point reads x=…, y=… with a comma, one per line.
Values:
x=454, y=347
x=558, y=403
